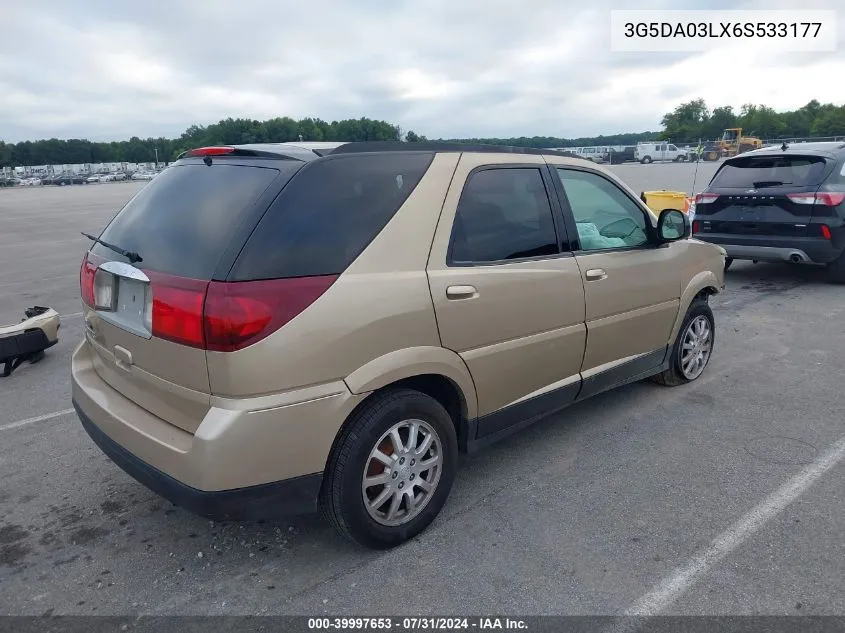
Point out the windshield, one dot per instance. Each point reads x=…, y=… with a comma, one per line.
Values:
x=770, y=171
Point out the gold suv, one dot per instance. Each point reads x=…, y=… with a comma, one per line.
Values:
x=273, y=328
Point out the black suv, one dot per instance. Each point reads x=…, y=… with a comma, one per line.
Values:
x=626, y=154
x=778, y=204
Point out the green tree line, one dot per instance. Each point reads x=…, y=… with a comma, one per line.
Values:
x=694, y=120
x=229, y=131
x=631, y=138
x=685, y=124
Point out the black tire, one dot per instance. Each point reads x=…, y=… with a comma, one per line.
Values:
x=728, y=262
x=674, y=376
x=645, y=160
x=836, y=270
x=341, y=499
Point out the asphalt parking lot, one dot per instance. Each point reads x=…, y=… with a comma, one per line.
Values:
x=721, y=497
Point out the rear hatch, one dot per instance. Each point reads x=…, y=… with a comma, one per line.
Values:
x=769, y=195
x=144, y=317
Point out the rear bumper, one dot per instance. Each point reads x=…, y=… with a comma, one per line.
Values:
x=251, y=457
x=289, y=497
x=805, y=250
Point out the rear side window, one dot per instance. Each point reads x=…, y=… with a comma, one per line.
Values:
x=503, y=214
x=328, y=214
x=770, y=171
x=181, y=222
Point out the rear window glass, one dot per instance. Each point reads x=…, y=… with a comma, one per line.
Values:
x=771, y=171
x=182, y=221
x=326, y=216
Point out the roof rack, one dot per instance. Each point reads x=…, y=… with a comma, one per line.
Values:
x=438, y=146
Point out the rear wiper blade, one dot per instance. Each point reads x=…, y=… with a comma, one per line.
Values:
x=132, y=256
x=769, y=183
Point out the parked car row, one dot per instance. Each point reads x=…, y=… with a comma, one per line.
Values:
x=144, y=175
x=613, y=154
x=113, y=176
x=75, y=179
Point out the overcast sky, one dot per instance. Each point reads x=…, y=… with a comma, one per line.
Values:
x=443, y=68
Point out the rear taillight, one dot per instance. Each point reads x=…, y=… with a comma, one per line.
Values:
x=826, y=232
x=802, y=198
x=830, y=198
x=86, y=281
x=696, y=227
x=826, y=198
x=242, y=313
x=228, y=316
x=705, y=198
x=177, y=308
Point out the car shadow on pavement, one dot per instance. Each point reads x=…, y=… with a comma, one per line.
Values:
x=746, y=275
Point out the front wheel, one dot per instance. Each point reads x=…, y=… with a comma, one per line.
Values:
x=646, y=160
x=693, y=347
x=391, y=469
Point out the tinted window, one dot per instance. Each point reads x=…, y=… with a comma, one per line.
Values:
x=771, y=171
x=604, y=215
x=503, y=214
x=181, y=222
x=328, y=214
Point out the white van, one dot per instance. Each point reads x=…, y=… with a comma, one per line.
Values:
x=654, y=152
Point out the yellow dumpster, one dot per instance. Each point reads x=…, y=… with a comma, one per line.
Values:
x=657, y=201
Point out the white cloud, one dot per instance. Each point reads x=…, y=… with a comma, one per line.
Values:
x=443, y=68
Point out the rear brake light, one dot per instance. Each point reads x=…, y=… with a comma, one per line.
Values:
x=826, y=198
x=211, y=151
x=228, y=316
x=830, y=198
x=696, y=227
x=86, y=281
x=802, y=198
x=705, y=198
x=177, y=308
x=826, y=232
x=238, y=314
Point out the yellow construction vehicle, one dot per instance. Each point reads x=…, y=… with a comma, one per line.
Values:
x=733, y=142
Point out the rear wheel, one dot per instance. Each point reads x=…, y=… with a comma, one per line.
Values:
x=836, y=270
x=391, y=469
x=645, y=160
x=693, y=347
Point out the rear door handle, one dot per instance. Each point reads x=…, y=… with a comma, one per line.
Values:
x=596, y=274
x=461, y=292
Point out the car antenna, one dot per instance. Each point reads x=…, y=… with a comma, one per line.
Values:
x=695, y=174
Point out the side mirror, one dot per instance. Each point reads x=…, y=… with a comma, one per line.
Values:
x=672, y=225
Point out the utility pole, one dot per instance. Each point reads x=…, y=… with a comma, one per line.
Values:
x=156, y=151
